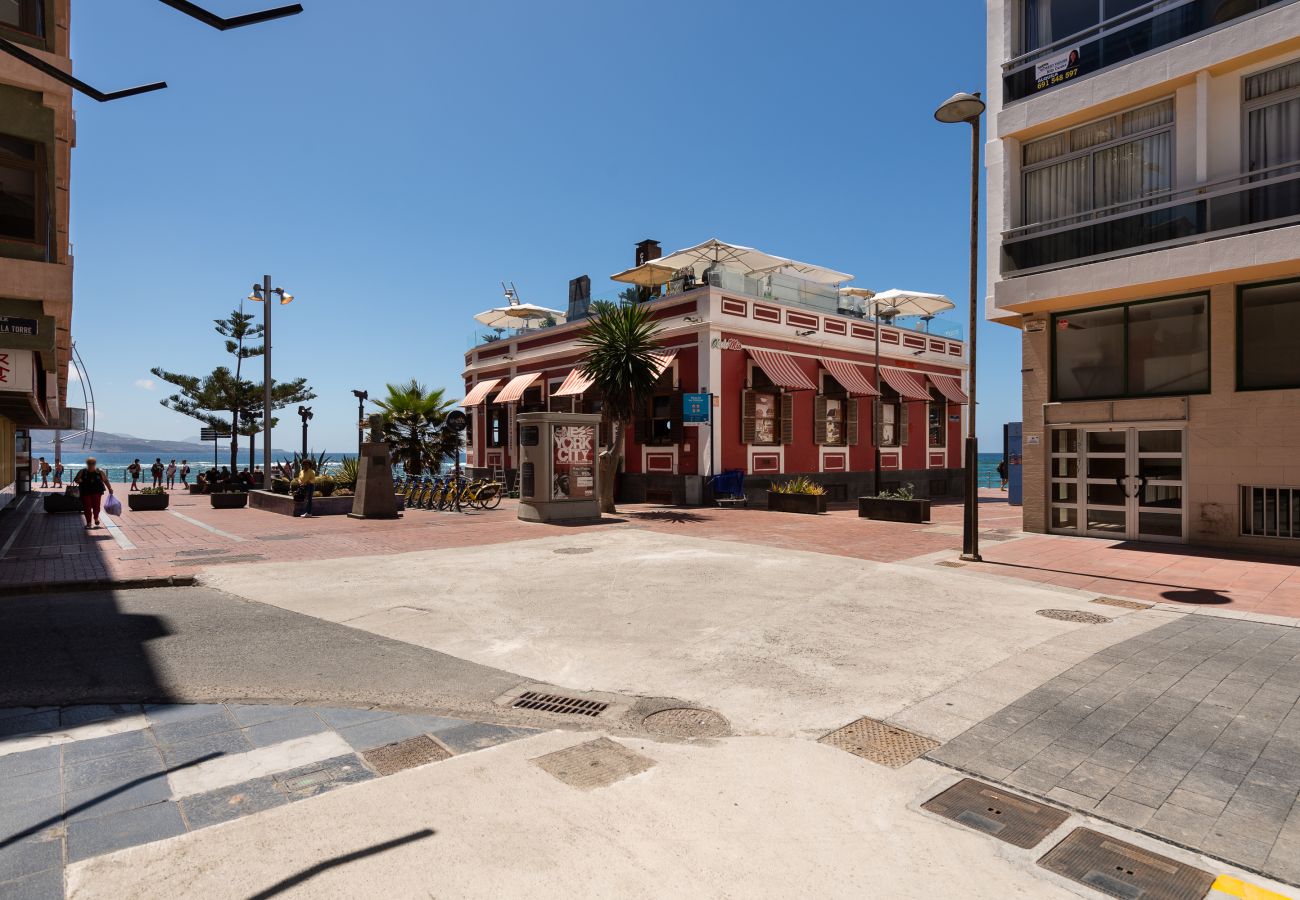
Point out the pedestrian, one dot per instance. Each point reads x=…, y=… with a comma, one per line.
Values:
x=134, y=471
x=156, y=470
x=45, y=472
x=92, y=482
x=1002, y=472
x=307, y=480
x=171, y=475
x=185, y=474
x=58, y=473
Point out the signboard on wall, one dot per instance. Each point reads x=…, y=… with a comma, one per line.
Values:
x=1056, y=69
x=696, y=408
x=17, y=371
x=11, y=325
x=573, y=462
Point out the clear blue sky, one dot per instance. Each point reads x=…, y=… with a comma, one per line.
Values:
x=390, y=163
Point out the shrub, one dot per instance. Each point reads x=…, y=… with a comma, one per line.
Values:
x=800, y=485
x=280, y=485
x=906, y=492
x=325, y=485
x=153, y=490
x=347, y=472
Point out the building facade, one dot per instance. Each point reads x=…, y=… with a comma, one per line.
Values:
x=1144, y=235
x=37, y=133
x=790, y=374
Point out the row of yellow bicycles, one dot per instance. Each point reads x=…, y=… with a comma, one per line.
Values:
x=449, y=493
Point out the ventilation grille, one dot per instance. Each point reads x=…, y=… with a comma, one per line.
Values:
x=555, y=703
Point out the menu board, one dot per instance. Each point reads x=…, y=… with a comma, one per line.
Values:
x=573, y=462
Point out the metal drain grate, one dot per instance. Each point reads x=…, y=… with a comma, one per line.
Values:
x=556, y=703
x=417, y=751
x=280, y=537
x=574, y=551
x=687, y=721
x=208, y=552
x=950, y=564
x=597, y=763
x=880, y=743
x=1123, y=870
x=1073, y=615
x=1007, y=817
x=1121, y=604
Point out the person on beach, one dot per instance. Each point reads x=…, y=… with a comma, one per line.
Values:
x=185, y=474
x=171, y=475
x=93, y=482
x=156, y=470
x=45, y=471
x=58, y=473
x=307, y=479
x=134, y=471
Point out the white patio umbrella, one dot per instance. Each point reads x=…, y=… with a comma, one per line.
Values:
x=895, y=302
x=517, y=314
x=715, y=252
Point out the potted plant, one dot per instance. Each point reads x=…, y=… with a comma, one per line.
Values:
x=232, y=499
x=798, y=495
x=148, y=499
x=899, y=505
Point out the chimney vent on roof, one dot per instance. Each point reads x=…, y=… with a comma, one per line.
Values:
x=648, y=250
x=579, y=297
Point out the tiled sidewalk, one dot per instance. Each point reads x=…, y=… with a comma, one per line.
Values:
x=84, y=781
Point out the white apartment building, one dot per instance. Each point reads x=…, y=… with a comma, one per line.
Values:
x=1144, y=235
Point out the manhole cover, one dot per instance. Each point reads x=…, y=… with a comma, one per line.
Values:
x=687, y=721
x=208, y=552
x=1007, y=817
x=1073, y=615
x=1123, y=870
x=597, y=763
x=1121, y=604
x=879, y=742
x=997, y=536
x=574, y=551
x=417, y=751
x=555, y=703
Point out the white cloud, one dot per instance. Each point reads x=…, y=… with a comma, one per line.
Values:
x=144, y=384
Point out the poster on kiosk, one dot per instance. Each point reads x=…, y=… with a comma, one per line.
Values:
x=573, y=449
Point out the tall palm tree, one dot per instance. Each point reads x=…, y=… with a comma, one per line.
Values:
x=413, y=417
x=620, y=343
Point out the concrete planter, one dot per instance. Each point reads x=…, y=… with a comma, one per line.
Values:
x=196, y=489
x=147, y=502
x=231, y=500
x=62, y=503
x=915, y=511
x=285, y=505
x=808, y=504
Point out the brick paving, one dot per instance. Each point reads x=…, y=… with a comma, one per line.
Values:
x=1189, y=732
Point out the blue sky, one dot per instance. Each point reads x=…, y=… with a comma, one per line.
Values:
x=390, y=163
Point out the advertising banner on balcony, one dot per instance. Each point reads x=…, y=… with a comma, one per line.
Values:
x=573, y=461
x=1057, y=68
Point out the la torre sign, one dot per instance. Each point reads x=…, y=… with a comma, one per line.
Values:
x=727, y=344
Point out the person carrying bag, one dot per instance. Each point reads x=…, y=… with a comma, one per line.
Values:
x=92, y=482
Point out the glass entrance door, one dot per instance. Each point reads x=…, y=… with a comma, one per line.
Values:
x=1120, y=482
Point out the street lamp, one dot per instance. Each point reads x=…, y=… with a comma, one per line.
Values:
x=968, y=108
x=304, y=413
x=262, y=293
x=362, y=397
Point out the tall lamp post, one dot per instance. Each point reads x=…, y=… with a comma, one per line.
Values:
x=362, y=397
x=304, y=413
x=263, y=293
x=968, y=108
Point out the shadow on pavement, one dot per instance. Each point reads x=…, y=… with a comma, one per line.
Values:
x=311, y=872
x=675, y=516
x=1200, y=596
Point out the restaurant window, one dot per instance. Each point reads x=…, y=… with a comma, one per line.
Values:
x=1268, y=320
x=498, y=425
x=1272, y=112
x=23, y=15
x=835, y=415
x=891, y=418
x=767, y=414
x=1110, y=165
x=22, y=191
x=532, y=400
x=1146, y=349
x=937, y=425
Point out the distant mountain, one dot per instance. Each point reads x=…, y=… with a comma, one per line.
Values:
x=107, y=442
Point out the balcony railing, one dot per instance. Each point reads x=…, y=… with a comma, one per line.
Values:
x=1118, y=39
x=1268, y=198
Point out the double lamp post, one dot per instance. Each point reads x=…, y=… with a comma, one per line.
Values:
x=264, y=293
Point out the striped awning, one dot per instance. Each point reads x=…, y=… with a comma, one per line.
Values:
x=782, y=369
x=574, y=383
x=663, y=359
x=908, y=384
x=478, y=393
x=950, y=387
x=516, y=387
x=850, y=377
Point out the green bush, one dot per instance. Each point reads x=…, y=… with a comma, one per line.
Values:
x=347, y=472
x=906, y=492
x=800, y=485
x=153, y=490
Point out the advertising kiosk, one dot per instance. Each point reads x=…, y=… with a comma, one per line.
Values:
x=558, y=466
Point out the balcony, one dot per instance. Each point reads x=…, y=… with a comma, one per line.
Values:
x=1118, y=39
x=1268, y=198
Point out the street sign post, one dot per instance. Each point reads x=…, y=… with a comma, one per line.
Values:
x=214, y=435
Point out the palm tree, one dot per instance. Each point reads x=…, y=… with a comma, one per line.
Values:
x=413, y=417
x=620, y=341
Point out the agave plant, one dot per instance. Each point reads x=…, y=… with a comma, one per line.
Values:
x=800, y=485
x=347, y=472
x=294, y=466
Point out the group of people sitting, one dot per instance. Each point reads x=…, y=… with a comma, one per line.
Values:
x=224, y=481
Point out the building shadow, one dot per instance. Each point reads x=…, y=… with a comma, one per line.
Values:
x=312, y=871
x=1206, y=553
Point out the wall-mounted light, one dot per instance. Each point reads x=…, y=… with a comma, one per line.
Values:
x=918, y=352
x=694, y=320
x=805, y=333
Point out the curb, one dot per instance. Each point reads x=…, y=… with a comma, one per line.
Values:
x=102, y=584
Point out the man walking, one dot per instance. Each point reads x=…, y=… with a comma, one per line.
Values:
x=45, y=472
x=185, y=474
x=156, y=470
x=171, y=475
x=134, y=471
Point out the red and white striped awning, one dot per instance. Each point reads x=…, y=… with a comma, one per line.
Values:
x=850, y=377
x=516, y=387
x=663, y=359
x=478, y=393
x=782, y=369
x=908, y=384
x=950, y=387
x=574, y=383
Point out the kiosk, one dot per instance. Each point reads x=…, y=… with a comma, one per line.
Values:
x=558, y=467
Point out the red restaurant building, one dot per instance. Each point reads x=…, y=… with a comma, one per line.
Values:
x=789, y=358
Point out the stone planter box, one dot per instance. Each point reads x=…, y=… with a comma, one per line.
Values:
x=147, y=502
x=915, y=511
x=229, y=500
x=809, y=504
x=196, y=489
x=285, y=505
x=62, y=503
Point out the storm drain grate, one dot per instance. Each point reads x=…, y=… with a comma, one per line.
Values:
x=951, y=564
x=597, y=763
x=574, y=551
x=1123, y=870
x=556, y=703
x=280, y=537
x=214, y=551
x=687, y=721
x=1007, y=817
x=417, y=751
x=1121, y=604
x=879, y=743
x=237, y=558
x=1073, y=615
